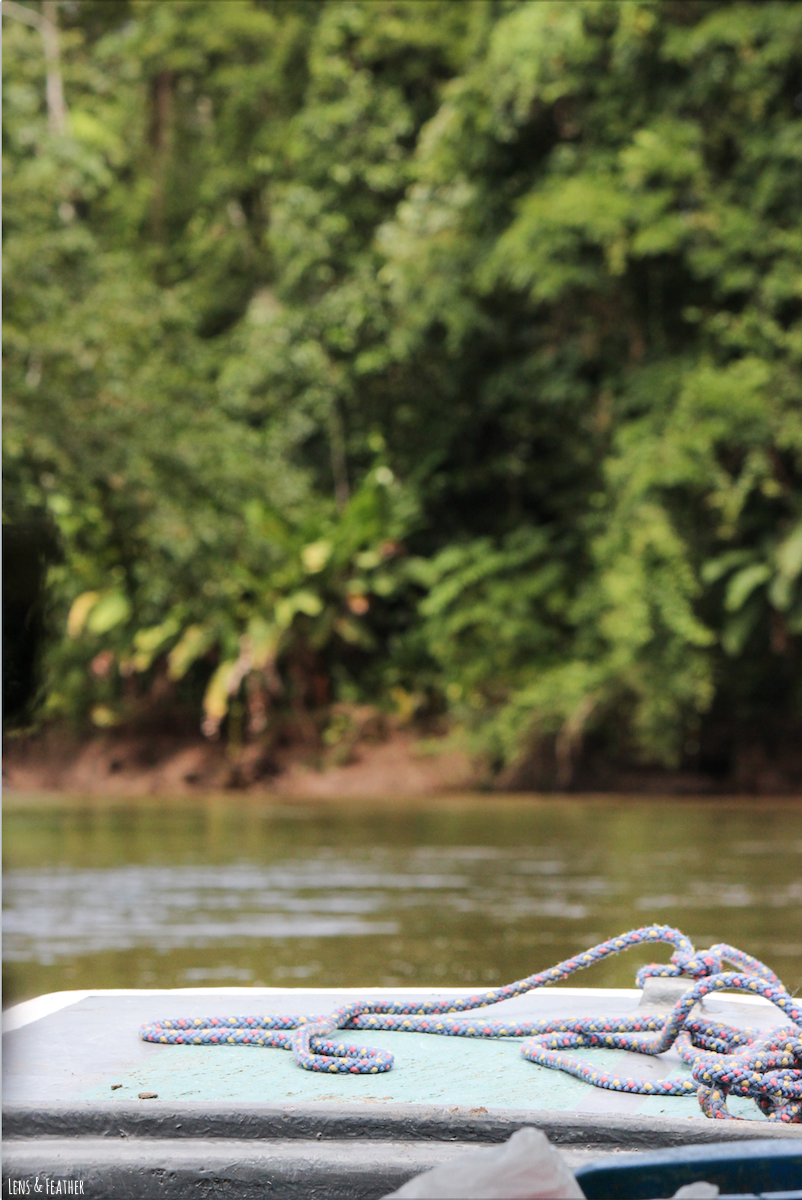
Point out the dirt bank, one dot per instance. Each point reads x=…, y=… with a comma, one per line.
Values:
x=369, y=761
x=400, y=764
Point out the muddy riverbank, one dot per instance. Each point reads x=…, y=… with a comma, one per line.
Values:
x=373, y=759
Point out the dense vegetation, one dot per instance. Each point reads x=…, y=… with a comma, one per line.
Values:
x=438, y=356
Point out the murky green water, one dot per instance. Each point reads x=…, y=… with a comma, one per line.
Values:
x=486, y=889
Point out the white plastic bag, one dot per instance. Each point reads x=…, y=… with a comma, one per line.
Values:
x=526, y=1167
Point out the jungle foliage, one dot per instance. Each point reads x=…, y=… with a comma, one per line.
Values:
x=438, y=356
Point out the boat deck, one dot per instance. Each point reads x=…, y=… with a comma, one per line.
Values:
x=87, y=1042
x=241, y=1115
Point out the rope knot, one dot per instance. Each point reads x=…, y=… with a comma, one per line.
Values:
x=683, y=962
x=697, y=966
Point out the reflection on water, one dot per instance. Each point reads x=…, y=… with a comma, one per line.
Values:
x=237, y=891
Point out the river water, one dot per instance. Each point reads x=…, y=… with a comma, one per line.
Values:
x=483, y=889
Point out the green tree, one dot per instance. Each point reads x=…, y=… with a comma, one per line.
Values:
x=357, y=346
x=606, y=205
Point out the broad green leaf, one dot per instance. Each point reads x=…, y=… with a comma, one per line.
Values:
x=148, y=641
x=192, y=645
x=111, y=609
x=299, y=602
x=316, y=555
x=218, y=694
x=789, y=554
x=742, y=585
x=717, y=568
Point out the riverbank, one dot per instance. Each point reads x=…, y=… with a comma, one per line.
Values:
x=372, y=760
x=152, y=763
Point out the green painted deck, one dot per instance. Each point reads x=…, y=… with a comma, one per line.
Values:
x=73, y=1055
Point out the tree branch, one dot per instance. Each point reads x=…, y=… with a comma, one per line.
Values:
x=46, y=22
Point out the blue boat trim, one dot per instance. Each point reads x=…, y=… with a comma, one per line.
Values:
x=744, y=1168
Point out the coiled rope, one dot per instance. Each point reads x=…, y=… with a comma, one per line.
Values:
x=723, y=1060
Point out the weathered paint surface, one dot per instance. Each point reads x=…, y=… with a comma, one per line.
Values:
x=77, y=1053
x=427, y=1070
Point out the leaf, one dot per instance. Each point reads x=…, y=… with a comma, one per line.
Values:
x=742, y=585
x=81, y=607
x=303, y=602
x=104, y=717
x=316, y=555
x=194, y=642
x=217, y=695
x=789, y=554
x=789, y=560
x=262, y=639
x=307, y=602
x=138, y=662
x=113, y=608
x=739, y=629
x=715, y=568
x=149, y=640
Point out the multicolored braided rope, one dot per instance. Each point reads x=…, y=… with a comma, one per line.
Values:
x=723, y=1060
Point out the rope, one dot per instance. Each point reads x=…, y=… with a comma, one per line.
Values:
x=723, y=1060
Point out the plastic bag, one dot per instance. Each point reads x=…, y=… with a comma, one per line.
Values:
x=526, y=1167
